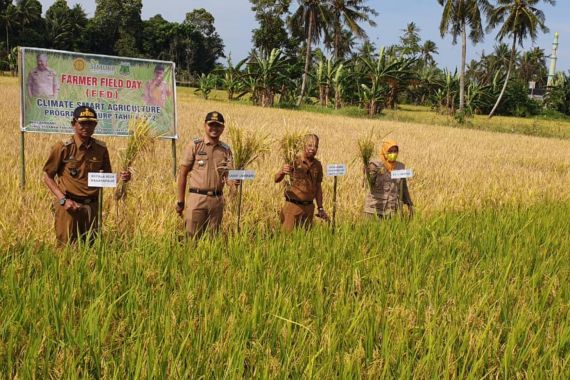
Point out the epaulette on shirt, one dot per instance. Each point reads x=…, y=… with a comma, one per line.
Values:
x=197, y=140
x=68, y=142
x=224, y=145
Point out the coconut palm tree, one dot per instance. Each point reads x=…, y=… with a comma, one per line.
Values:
x=457, y=16
x=312, y=16
x=428, y=50
x=348, y=13
x=10, y=20
x=518, y=19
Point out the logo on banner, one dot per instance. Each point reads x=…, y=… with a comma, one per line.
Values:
x=79, y=64
x=125, y=68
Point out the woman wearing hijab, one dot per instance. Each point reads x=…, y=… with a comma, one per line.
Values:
x=386, y=194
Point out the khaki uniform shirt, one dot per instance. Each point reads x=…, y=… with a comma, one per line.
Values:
x=43, y=83
x=305, y=180
x=209, y=164
x=72, y=160
x=156, y=95
x=383, y=198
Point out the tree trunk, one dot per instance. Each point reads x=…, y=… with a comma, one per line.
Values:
x=307, y=59
x=337, y=100
x=337, y=32
x=513, y=51
x=462, y=69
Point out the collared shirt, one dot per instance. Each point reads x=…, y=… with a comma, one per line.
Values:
x=384, y=196
x=156, y=94
x=43, y=82
x=209, y=164
x=73, y=160
x=305, y=179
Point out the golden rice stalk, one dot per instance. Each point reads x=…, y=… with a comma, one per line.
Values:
x=141, y=139
x=366, y=148
x=291, y=144
x=247, y=146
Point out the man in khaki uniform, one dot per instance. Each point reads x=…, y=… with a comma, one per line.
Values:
x=42, y=81
x=386, y=194
x=208, y=161
x=306, y=178
x=156, y=91
x=71, y=161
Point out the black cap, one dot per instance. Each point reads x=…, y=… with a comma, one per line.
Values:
x=84, y=113
x=215, y=117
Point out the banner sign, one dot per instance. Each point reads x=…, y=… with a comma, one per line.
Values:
x=95, y=179
x=405, y=173
x=54, y=83
x=241, y=175
x=336, y=170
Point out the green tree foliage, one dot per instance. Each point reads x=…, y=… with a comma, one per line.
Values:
x=517, y=19
x=271, y=32
x=457, y=17
x=345, y=19
x=59, y=26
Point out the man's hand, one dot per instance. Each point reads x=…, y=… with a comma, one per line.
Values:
x=322, y=214
x=179, y=208
x=287, y=169
x=71, y=205
x=125, y=176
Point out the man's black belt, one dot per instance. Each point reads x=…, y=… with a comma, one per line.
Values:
x=298, y=202
x=210, y=193
x=82, y=200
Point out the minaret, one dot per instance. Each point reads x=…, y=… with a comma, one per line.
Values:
x=553, y=58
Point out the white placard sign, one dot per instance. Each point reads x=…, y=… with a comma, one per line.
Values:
x=102, y=180
x=405, y=173
x=241, y=175
x=336, y=170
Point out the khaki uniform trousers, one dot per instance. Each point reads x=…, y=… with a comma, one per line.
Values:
x=71, y=226
x=203, y=213
x=294, y=215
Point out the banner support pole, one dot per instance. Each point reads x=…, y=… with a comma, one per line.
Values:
x=22, y=161
x=174, y=158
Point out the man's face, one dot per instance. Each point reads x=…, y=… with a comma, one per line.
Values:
x=213, y=130
x=311, y=148
x=159, y=75
x=84, y=129
x=42, y=63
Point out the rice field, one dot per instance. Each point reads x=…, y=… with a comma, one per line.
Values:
x=475, y=286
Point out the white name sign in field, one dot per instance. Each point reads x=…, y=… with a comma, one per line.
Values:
x=336, y=170
x=241, y=175
x=102, y=179
x=405, y=173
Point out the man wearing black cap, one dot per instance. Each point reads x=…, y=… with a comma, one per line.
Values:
x=208, y=161
x=66, y=175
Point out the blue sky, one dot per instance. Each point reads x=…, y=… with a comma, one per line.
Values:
x=235, y=20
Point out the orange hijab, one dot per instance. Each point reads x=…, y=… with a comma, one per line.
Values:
x=386, y=145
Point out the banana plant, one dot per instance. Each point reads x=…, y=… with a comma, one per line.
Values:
x=206, y=83
x=232, y=78
x=383, y=77
x=269, y=74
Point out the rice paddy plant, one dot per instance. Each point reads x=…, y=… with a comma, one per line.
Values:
x=141, y=140
x=366, y=149
x=455, y=295
x=290, y=145
x=247, y=146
